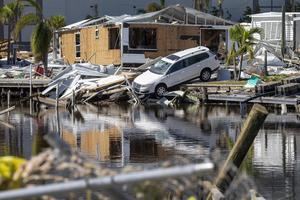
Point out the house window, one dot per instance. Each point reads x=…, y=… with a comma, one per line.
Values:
x=142, y=38
x=114, y=38
x=77, y=45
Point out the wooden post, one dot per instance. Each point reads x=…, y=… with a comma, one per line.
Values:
x=204, y=95
x=56, y=96
x=8, y=98
x=30, y=89
x=239, y=151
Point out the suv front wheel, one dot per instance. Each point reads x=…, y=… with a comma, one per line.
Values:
x=160, y=90
x=205, y=75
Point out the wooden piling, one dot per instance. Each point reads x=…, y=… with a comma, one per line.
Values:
x=8, y=98
x=239, y=151
x=204, y=95
x=56, y=96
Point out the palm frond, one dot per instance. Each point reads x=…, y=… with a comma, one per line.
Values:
x=34, y=4
x=24, y=21
x=40, y=40
x=56, y=22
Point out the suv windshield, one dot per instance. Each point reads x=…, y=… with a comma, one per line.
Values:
x=160, y=67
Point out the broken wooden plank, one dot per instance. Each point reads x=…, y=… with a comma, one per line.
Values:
x=7, y=110
x=49, y=101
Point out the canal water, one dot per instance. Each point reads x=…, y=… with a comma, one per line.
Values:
x=117, y=136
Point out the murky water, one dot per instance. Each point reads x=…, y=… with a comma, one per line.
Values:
x=119, y=135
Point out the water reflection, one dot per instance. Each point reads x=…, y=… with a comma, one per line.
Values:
x=121, y=135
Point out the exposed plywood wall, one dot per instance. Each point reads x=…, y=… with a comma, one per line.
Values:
x=68, y=46
x=95, y=50
x=171, y=38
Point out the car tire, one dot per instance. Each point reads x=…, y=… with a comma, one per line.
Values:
x=205, y=75
x=160, y=90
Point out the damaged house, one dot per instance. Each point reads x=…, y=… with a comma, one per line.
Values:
x=271, y=24
x=128, y=39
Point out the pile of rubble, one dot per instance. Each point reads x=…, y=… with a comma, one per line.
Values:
x=86, y=82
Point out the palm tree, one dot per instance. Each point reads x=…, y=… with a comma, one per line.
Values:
x=56, y=22
x=10, y=14
x=42, y=34
x=201, y=5
x=231, y=57
x=40, y=43
x=244, y=40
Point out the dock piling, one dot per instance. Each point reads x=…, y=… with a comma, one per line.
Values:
x=56, y=96
x=8, y=98
x=239, y=151
x=204, y=95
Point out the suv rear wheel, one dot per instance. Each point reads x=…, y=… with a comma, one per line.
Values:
x=160, y=90
x=205, y=75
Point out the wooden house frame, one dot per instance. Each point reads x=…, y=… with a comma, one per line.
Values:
x=127, y=40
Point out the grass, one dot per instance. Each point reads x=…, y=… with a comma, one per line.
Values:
x=275, y=78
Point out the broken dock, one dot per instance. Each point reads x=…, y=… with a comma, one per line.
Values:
x=285, y=92
x=20, y=87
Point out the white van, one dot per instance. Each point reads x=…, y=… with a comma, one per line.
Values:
x=177, y=68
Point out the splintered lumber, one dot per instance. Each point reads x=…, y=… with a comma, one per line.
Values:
x=106, y=82
x=103, y=83
x=49, y=101
x=7, y=110
x=239, y=151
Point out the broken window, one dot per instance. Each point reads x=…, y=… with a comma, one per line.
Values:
x=77, y=45
x=114, y=38
x=142, y=38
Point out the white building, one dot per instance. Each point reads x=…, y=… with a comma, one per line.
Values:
x=271, y=23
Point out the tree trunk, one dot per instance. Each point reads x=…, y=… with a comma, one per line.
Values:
x=235, y=70
x=8, y=43
x=241, y=65
x=45, y=62
x=54, y=43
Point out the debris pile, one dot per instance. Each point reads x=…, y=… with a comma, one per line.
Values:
x=85, y=82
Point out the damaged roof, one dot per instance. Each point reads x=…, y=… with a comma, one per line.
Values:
x=175, y=14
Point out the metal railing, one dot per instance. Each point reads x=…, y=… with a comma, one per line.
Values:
x=100, y=183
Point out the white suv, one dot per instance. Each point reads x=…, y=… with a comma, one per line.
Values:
x=198, y=62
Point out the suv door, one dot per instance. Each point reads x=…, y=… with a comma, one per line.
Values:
x=196, y=63
x=176, y=74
